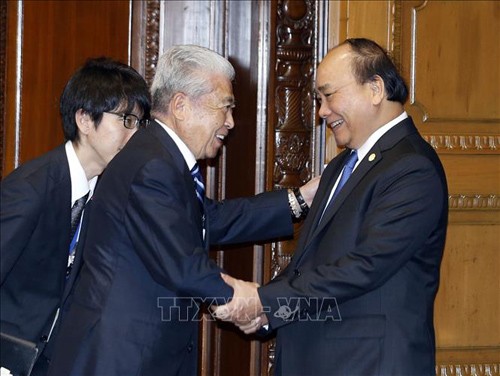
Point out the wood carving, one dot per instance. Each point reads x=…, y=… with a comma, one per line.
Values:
x=293, y=95
x=469, y=144
x=293, y=121
x=395, y=47
x=468, y=370
x=474, y=202
x=152, y=39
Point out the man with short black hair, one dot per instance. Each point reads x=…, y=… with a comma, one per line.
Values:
x=102, y=106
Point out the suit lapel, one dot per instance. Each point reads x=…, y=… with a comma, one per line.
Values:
x=325, y=193
x=177, y=157
x=370, y=160
x=314, y=227
x=319, y=223
x=180, y=163
x=170, y=146
x=328, y=178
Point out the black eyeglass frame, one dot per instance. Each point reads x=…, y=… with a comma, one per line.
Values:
x=129, y=118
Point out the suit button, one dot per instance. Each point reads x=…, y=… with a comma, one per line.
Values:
x=44, y=338
x=190, y=348
x=296, y=272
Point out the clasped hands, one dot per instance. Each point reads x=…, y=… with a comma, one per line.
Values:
x=245, y=309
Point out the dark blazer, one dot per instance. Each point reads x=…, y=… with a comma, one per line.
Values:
x=35, y=225
x=146, y=267
x=375, y=257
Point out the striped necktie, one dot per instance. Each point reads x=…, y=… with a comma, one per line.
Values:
x=198, y=185
x=76, y=217
x=76, y=214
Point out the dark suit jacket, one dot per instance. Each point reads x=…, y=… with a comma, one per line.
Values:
x=375, y=256
x=35, y=225
x=146, y=268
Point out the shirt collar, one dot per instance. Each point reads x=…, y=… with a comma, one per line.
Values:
x=375, y=136
x=79, y=183
x=186, y=153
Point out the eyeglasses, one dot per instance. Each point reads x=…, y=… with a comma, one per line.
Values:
x=130, y=121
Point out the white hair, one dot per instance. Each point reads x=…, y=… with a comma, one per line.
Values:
x=185, y=69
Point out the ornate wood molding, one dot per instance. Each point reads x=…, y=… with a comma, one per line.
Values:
x=294, y=112
x=152, y=39
x=395, y=49
x=474, y=202
x=492, y=369
x=294, y=104
x=295, y=62
x=477, y=144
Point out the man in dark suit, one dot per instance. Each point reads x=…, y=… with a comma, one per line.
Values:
x=100, y=107
x=358, y=296
x=146, y=265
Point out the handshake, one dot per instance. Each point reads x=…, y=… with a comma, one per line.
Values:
x=245, y=309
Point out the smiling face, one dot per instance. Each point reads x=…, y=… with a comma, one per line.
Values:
x=208, y=119
x=348, y=107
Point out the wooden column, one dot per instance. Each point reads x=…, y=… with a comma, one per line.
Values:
x=292, y=118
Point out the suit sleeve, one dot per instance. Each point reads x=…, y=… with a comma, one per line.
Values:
x=262, y=217
x=404, y=209
x=165, y=230
x=20, y=207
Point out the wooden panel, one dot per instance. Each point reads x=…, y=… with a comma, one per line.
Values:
x=454, y=48
x=189, y=22
x=362, y=18
x=468, y=304
x=238, y=355
x=58, y=36
x=472, y=174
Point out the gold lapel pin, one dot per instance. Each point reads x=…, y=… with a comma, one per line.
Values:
x=372, y=157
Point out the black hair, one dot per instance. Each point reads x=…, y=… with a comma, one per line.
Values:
x=371, y=60
x=99, y=86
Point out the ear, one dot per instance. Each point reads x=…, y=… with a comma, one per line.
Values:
x=377, y=88
x=179, y=104
x=83, y=122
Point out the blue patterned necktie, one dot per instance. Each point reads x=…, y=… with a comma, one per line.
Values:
x=346, y=173
x=198, y=185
